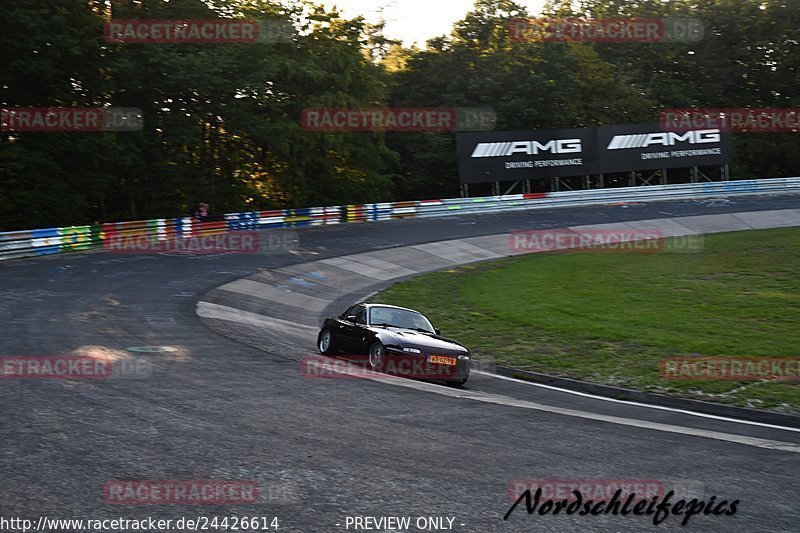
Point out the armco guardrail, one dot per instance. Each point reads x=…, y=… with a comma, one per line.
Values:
x=15, y=244
x=78, y=238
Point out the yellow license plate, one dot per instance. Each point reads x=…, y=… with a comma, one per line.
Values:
x=439, y=360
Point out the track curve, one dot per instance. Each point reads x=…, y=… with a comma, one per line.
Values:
x=212, y=408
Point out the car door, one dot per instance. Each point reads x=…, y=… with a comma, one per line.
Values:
x=361, y=335
x=350, y=333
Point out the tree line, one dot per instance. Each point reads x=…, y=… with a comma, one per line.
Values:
x=222, y=121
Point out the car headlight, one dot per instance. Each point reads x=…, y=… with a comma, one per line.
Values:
x=411, y=350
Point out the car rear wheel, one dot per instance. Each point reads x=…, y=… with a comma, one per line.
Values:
x=377, y=354
x=325, y=342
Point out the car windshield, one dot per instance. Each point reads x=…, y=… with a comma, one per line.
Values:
x=400, y=318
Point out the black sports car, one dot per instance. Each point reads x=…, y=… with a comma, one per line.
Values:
x=395, y=340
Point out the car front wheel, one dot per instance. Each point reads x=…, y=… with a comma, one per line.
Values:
x=376, y=356
x=325, y=342
x=459, y=382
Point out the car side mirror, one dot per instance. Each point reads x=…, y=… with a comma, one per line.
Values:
x=437, y=331
x=352, y=318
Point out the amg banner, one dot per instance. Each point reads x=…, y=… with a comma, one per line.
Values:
x=515, y=155
x=648, y=147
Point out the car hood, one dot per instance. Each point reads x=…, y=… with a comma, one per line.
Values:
x=426, y=341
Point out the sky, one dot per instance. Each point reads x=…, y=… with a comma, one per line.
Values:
x=415, y=20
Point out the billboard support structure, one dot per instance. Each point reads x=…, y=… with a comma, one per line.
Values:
x=525, y=186
x=558, y=183
x=660, y=173
x=724, y=174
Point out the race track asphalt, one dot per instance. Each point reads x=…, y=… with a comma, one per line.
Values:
x=208, y=407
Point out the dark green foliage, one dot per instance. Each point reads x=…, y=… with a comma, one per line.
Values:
x=222, y=121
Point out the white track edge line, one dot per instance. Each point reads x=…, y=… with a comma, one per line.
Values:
x=638, y=404
x=586, y=415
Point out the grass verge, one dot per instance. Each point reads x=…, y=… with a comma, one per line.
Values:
x=611, y=318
